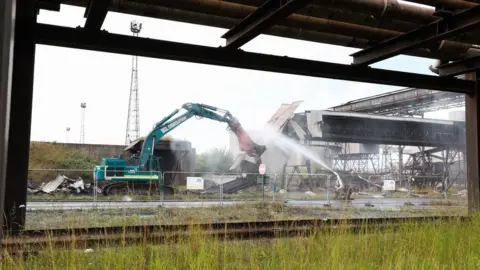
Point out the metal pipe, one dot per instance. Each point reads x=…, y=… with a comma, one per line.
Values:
x=350, y=15
x=310, y=22
x=376, y=9
x=226, y=14
x=451, y=4
x=227, y=23
x=221, y=8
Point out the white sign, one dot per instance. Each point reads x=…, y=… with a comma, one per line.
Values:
x=388, y=184
x=262, y=169
x=195, y=183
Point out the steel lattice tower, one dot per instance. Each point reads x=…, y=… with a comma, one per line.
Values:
x=133, y=119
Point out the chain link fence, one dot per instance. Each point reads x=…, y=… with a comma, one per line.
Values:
x=71, y=184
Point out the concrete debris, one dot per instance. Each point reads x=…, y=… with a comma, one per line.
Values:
x=63, y=184
x=126, y=198
x=309, y=193
x=78, y=185
x=462, y=193
x=53, y=185
x=282, y=191
x=31, y=184
x=402, y=189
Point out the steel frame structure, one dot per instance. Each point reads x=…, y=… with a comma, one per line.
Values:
x=357, y=162
x=78, y=38
x=27, y=33
x=263, y=18
x=442, y=29
x=404, y=102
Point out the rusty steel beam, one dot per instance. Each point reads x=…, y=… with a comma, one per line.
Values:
x=260, y=20
x=436, y=31
x=21, y=115
x=472, y=112
x=459, y=67
x=115, y=43
x=7, y=35
x=227, y=14
x=375, y=9
x=95, y=12
x=52, y=5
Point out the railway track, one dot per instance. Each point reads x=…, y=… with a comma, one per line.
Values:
x=83, y=238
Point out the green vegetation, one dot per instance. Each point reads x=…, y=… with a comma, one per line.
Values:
x=450, y=244
x=48, y=155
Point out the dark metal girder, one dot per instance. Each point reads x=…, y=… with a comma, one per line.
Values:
x=434, y=32
x=21, y=116
x=115, y=43
x=263, y=18
x=7, y=35
x=472, y=112
x=95, y=12
x=52, y=5
x=459, y=67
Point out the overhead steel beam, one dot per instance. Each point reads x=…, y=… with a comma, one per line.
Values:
x=260, y=20
x=52, y=5
x=115, y=43
x=460, y=67
x=95, y=12
x=426, y=35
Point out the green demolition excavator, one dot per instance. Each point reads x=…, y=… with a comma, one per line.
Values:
x=146, y=167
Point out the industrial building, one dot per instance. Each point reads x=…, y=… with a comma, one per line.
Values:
x=378, y=135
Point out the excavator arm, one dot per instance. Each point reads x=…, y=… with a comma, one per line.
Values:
x=170, y=122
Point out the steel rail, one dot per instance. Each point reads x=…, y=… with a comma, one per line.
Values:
x=36, y=240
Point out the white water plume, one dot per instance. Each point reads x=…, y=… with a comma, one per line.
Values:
x=270, y=137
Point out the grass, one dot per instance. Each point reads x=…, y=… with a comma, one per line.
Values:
x=430, y=245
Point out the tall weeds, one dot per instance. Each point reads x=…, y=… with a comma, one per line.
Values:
x=451, y=244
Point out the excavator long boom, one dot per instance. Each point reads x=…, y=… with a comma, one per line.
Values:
x=170, y=122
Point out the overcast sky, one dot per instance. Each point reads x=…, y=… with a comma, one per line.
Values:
x=66, y=77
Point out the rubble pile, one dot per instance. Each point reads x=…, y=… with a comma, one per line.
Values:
x=62, y=184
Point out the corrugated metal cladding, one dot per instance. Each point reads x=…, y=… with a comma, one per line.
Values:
x=275, y=157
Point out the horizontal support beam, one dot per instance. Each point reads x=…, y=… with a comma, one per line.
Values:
x=95, y=12
x=460, y=67
x=114, y=43
x=260, y=20
x=52, y=5
x=426, y=35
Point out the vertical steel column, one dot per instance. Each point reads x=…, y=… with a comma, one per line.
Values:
x=472, y=110
x=7, y=27
x=400, y=160
x=21, y=113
